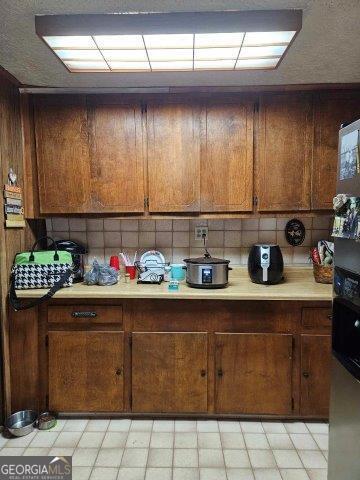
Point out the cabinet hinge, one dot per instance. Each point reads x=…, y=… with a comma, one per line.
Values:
x=47, y=341
x=255, y=201
x=146, y=202
x=292, y=404
x=130, y=339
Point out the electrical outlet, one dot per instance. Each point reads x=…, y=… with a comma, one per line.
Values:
x=200, y=232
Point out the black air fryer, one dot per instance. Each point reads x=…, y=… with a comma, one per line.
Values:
x=265, y=264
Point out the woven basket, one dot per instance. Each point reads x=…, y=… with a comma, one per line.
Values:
x=323, y=273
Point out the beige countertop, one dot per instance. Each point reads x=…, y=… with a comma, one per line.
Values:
x=299, y=284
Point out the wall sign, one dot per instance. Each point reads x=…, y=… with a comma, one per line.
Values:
x=14, y=210
x=295, y=232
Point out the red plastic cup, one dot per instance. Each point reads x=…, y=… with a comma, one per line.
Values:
x=131, y=270
x=114, y=262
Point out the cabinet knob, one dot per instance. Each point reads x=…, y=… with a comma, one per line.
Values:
x=203, y=373
x=118, y=371
x=220, y=372
x=306, y=374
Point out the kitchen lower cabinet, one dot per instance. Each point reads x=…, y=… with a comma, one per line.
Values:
x=253, y=373
x=315, y=375
x=85, y=371
x=169, y=372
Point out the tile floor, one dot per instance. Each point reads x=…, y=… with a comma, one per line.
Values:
x=182, y=449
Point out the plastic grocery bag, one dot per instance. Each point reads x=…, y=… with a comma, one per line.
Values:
x=101, y=274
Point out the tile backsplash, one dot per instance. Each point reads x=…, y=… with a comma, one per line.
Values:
x=228, y=238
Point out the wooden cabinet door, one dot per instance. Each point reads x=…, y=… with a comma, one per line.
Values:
x=331, y=110
x=253, y=373
x=285, y=152
x=62, y=155
x=315, y=375
x=116, y=153
x=173, y=157
x=169, y=372
x=227, y=157
x=86, y=371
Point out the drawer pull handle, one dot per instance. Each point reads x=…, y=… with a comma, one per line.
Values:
x=203, y=373
x=84, y=314
x=330, y=316
x=306, y=374
x=118, y=371
x=220, y=372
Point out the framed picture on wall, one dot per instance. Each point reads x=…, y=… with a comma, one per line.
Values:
x=349, y=155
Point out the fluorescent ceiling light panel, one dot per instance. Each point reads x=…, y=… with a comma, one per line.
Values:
x=170, y=41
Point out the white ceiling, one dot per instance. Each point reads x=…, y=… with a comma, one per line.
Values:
x=327, y=50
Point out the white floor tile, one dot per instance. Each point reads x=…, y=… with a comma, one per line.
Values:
x=19, y=441
x=273, y=427
x=185, y=440
x=186, y=474
x=141, y=425
x=280, y=441
x=303, y=441
x=267, y=474
x=114, y=440
x=211, y=458
x=158, y=474
x=207, y=426
x=185, y=426
x=186, y=457
x=44, y=439
x=81, y=473
x=121, y=425
x=229, y=426
x=134, y=457
x=160, y=457
x=104, y=473
x=232, y=440
x=296, y=427
x=287, y=459
x=131, y=473
x=212, y=474
x=4, y=440
x=262, y=458
x=85, y=457
x=75, y=425
x=109, y=457
x=294, y=474
x=36, y=452
x=209, y=440
x=252, y=427
x=97, y=425
x=236, y=459
x=60, y=424
x=317, y=474
x=6, y=451
x=256, y=441
x=322, y=440
x=318, y=427
x=312, y=459
x=162, y=440
x=239, y=474
x=61, y=452
x=91, y=439
x=138, y=440
x=163, y=426
x=67, y=439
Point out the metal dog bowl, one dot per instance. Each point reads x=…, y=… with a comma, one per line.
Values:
x=21, y=423
x=46, y=421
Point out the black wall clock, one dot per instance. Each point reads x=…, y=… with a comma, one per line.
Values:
x=295, y=232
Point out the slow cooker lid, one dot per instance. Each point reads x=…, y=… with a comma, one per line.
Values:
x=206, y=261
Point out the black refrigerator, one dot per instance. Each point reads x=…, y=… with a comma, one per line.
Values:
x=344, y=436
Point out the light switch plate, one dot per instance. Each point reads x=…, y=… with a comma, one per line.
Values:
x=200, y=232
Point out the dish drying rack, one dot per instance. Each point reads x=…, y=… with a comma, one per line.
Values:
x=151, y=271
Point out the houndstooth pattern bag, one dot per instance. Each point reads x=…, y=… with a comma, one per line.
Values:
x=40, y=276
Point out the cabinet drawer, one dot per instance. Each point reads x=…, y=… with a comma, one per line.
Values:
x=81, y=314
x=316, y=319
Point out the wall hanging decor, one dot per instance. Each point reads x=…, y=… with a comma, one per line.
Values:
x=295, y=232
x=14, y=210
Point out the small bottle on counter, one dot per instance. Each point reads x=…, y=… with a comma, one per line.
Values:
x=167, y=273
x=127, y=277
x=173, y=285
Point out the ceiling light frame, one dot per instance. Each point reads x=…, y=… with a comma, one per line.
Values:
x=92, y=25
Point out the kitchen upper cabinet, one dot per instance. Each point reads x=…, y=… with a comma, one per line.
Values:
x=253, y=373
x=169, y=372
x=116, y=157
x=62, y=154
x=315, y=375
x=227, y=157
x=173, y=157
x=285, y=152
x=85, y=371
x=331, y=110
